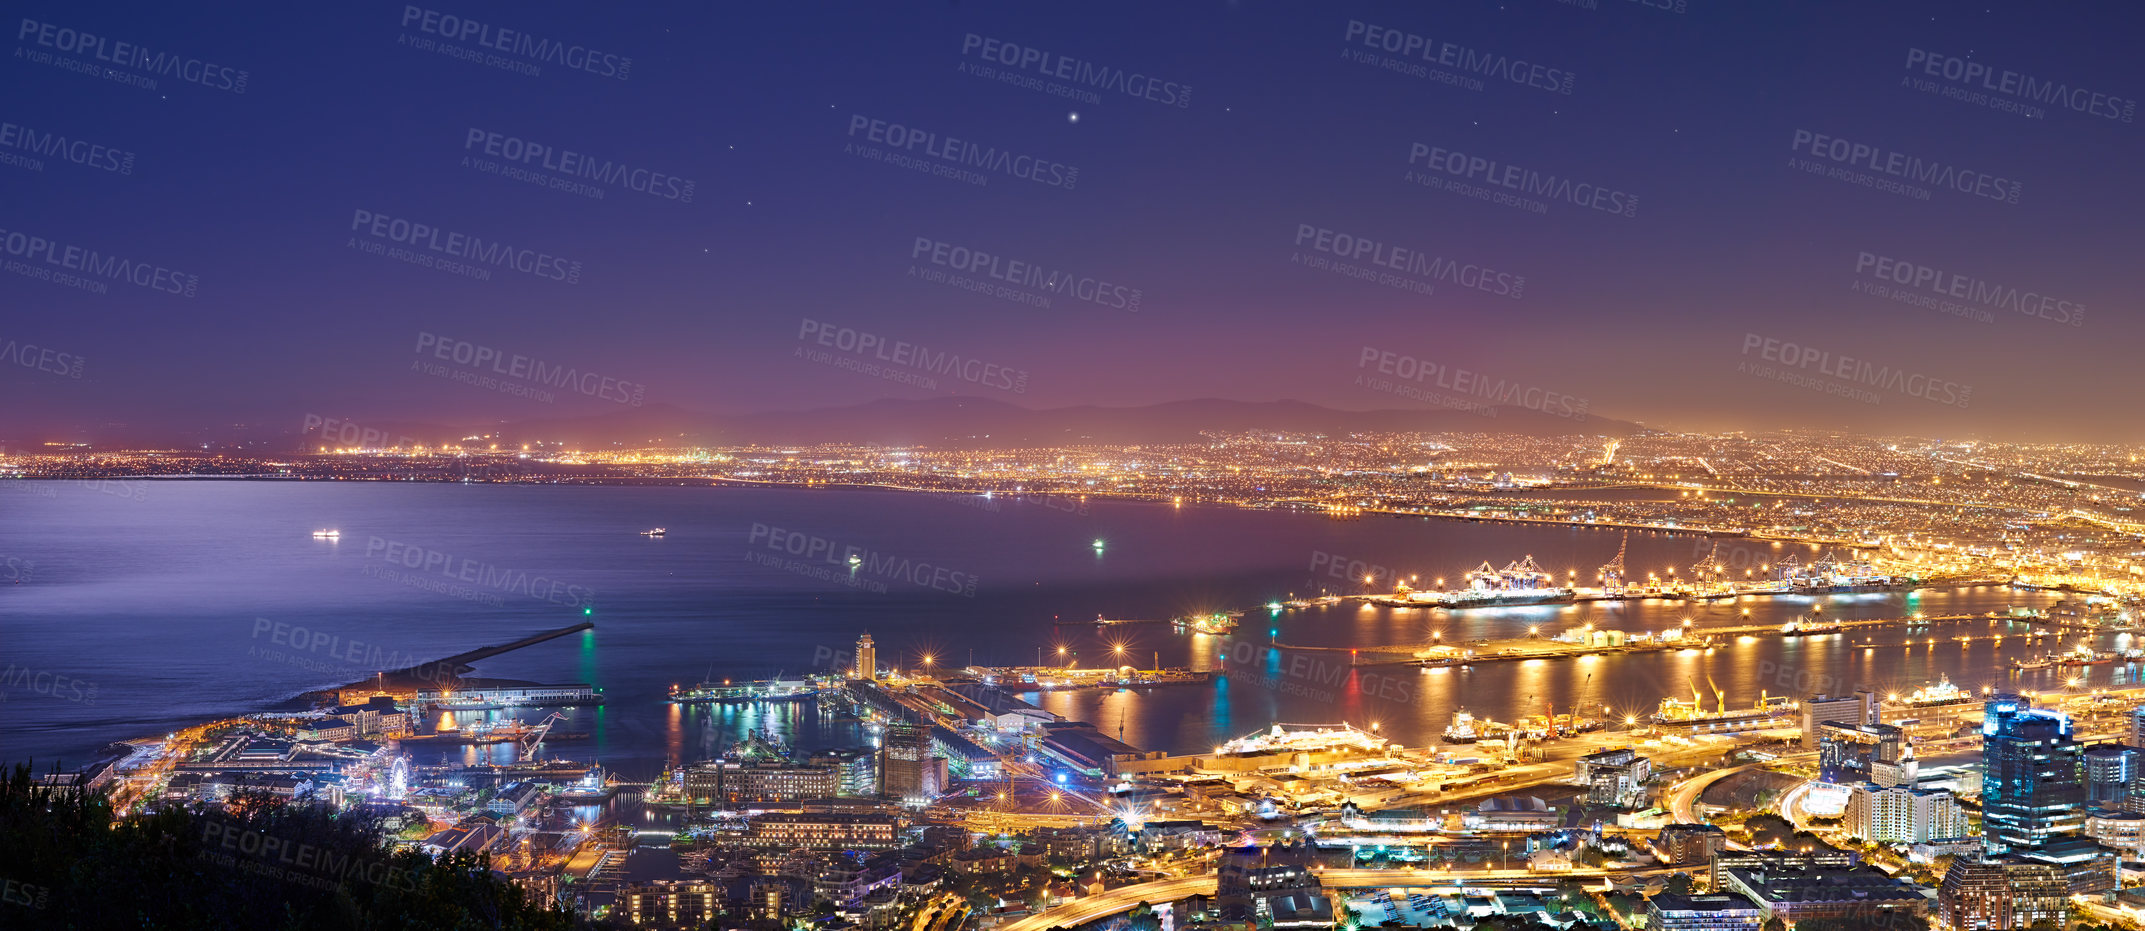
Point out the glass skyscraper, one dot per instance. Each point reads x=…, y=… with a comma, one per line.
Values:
x=2032, y=782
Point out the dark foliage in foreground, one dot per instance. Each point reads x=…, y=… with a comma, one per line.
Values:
x=66, y=862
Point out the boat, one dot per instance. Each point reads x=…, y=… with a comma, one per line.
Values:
x=2035, y=663
x=327, y=534
x=1216, y=623
x=1938, y=695
x=593, y=786
x=657, y=532
x=1809, y=627
x=1518, y=583
x=1462, y=729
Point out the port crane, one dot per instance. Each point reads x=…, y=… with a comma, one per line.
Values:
x=530, y=741
x=1612, y=575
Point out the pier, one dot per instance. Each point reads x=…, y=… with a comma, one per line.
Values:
x=445, y=673
x=1441, y=654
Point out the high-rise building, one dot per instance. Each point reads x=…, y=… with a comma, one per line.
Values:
x=2137, y=727
x=1987, y=895
x=1847, y=753
x=1859, y=708
x=2109, y=771
x=1902, y=814
x=2032, y=780
x=867, y=660
x=904, y=756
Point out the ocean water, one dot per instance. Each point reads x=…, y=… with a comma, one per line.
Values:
x=127, y=611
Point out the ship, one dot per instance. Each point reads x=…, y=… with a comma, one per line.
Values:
x=2086, y=657
x=1216, y=623
x=1938, y=695
x=657, y=532
x=1809, y=627
x=1848, y=575
x=1462, y=729
x=1768, y=711
x=327, y=534
x=2041, y=662
x=1518, y=583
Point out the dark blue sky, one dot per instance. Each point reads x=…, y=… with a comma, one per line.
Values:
x=700, y=304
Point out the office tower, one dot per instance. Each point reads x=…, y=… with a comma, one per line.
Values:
x=1848, y=754
x=2032, y=781
x=903, y=757
x=2109, y=771
x=867, y=660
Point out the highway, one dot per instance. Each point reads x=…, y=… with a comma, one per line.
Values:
x=1684, y=795
x=1111, y=902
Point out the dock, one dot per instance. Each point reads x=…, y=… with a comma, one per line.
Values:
x=444, y=673
x=1440, y=654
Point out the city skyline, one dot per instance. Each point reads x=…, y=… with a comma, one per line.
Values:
x=1487, y=465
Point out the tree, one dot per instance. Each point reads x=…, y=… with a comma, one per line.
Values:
x=260, y=863
x=1679, y=884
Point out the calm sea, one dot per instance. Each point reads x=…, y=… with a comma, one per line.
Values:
x=130, y=610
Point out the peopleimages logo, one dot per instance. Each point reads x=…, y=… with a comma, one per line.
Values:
x=813, y=548
x=1084, y=74
x=1878, y=160
x=550, y=375
x=133, y=56
x=1965, y=73
x=53, y=145
x=1460, y=167
x=1848, y=371
x=911, y=355
x=33, y=356
x=901, y=139
x=95, y=264
x=484, y=35
x=1421, y=265
x=464, y=569
x=577, y=165
x=1026, y=274
x=1940, y=283
x=473, y=249
x=1458, y=58
x=1471, y=385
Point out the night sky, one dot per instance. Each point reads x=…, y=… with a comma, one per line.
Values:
x=1206, y=154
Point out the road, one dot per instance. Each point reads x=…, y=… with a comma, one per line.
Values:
x=1685, y=794
x=1111, y=902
